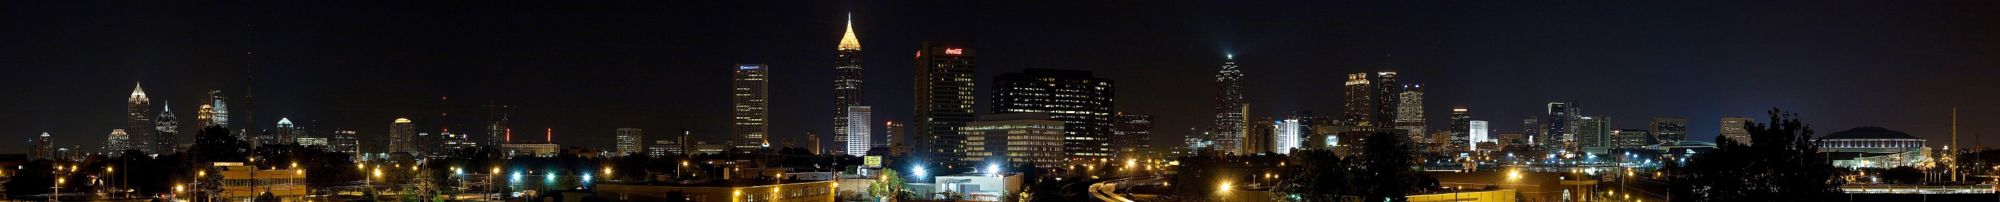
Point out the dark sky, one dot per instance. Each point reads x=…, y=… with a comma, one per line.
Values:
x=586, y=68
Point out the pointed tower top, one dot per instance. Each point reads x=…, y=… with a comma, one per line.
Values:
x=138, y=95
x=848, y=41
x=137, y=90
x=166, y=107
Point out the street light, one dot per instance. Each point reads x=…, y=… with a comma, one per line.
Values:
x=59, y=182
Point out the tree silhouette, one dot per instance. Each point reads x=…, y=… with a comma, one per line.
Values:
x=1319, y=175
x=1780, y=164
x=1391, y=169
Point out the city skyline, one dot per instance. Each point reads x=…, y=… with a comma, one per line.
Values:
x=658, y=82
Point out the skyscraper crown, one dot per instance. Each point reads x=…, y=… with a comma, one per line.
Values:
x=138, y=93
x=848, y=41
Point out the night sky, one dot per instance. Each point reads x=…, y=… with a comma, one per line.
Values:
x=586, y=68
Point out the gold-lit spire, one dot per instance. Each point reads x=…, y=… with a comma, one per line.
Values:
x=848, y=41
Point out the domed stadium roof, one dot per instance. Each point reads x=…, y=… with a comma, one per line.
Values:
x=1870, y=132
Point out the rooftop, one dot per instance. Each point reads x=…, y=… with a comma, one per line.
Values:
x=1869, y=132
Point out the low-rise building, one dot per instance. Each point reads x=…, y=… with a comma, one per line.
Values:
x=241, y=182
x=1874, y=147
x=1015, y=139
x=538, y=150
x=723, y=191
x=980, y=186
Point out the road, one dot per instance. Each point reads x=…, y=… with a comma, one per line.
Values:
x=1108, y=189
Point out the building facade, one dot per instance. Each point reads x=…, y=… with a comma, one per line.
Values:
x=346, y=141
x=1461, y=127
x=858, y=143
x=1387, y=100
x=1477, y=134
x=1737, y=129
x=631, y=140
x=1410, y=111
x=847, y=91
x=1232, y=117
x=1630, y=138
x=219, y=115
x=1082, y=101
x=1134, y=134
x=1669, y=129
x=1016, y=139
x=116, y=143
x=139, y=121
x=944, y=102
x=402, y=134
x=1594, y=134
x=285, y=132
x=45, y=147
x=1261, y=137
x=1874, y=147
x=1556, y=125
x=752, y=107
x=1532, y=128
x=167, y=130
x=1290, y=134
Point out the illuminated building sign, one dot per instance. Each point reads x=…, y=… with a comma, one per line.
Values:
x=954, y=51
x=748, y=67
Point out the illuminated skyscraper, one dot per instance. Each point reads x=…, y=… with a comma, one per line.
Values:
x=45, y=147
x=1260, y=137
x=116, y=143
x=1387, y=100
x=631, y=140
x=1735, y=128
x=893, y=132
x=402, y=135
x=1133, y=135
x=1410, y=110
x=1556, y=125
x=1477, y=134
x=1289, y=135
x=220, y=115
x=846, y=87
x=1531, y=129
x=139, y=121
x=752, y=116
x=1668, y=129
x=498, y=129
x=203, y=116
x=1231, y=110
x=1593, y=134
x=944, y=99
x=286, y=132
x=1082, y=101
x=857, y=124
x=1371, y=100
x=167, y=128
x=813, y=145
x=345, y=141
x=1461, y=120
x=1359, y=108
